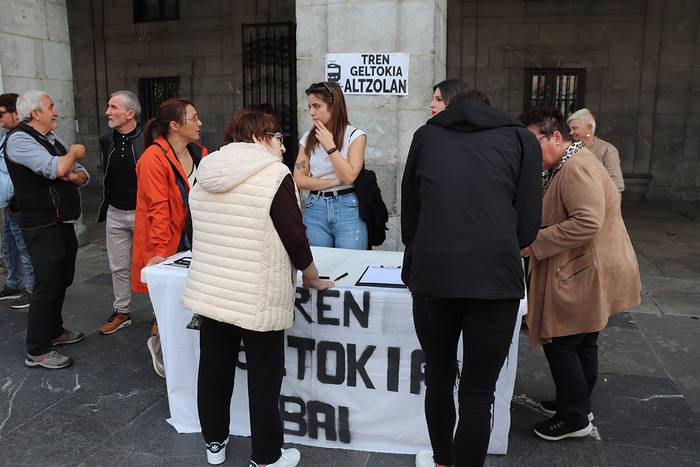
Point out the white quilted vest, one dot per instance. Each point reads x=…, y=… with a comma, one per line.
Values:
x=240, y=271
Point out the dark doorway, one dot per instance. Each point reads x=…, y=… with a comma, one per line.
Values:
x=269, y=76
x=153, y=91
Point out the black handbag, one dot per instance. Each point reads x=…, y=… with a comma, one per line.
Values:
x=371, y=206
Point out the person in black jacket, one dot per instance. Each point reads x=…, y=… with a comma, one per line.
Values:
x=470, y=200
x=120, y=147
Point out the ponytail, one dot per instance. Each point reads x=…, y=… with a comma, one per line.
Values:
x=148, y=132
x=171, y=110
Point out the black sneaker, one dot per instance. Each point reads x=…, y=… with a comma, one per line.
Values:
x=555, y=429
x=8, y=293
x=551, y=408
x=22, y=301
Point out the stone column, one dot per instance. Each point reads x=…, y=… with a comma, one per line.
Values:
x=415, y=27
x=35, y=54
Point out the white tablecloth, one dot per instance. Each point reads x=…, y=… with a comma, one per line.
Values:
x=360, y=383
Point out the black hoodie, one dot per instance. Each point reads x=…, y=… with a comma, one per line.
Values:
x=471, y=198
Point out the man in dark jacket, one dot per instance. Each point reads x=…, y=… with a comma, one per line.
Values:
x=46, y=177
x=470, y=200
x=121, y=147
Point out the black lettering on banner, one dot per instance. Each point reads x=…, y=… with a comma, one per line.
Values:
x=303, y=345
x=321, y=307
x=402, y=86
x=383, y=59
x=350, y=305
x=303, y=296
x=417, y=373
x=316, y=408
x=343, y=424
x=392, y=369
x=293, y=417
x=322, y=350
x=356, y=366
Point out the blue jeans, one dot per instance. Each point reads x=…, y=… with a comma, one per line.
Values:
x=335, y=222
x=20, y=274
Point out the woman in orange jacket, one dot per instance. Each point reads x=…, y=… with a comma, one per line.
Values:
x=165, y=172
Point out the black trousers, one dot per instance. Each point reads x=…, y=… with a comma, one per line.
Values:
x=573, y=361
x=52, y=250
x=219, y=345
x=486, y=327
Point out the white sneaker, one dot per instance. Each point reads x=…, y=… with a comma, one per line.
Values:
x=425, y=459
x=289, y=458
x=153, y=344
x=216, y=452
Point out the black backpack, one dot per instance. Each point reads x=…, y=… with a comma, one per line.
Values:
x=372, y=208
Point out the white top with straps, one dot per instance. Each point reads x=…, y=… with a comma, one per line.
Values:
x=320, y=164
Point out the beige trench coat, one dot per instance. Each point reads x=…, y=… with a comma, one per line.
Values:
x=584, y=268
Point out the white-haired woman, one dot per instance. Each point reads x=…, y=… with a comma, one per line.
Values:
x=582, y=128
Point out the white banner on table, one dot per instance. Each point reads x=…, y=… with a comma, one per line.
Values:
x=369, y=73
x=354, y=369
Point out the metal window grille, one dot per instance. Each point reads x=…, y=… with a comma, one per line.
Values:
x=155, y=10
x=269, y=76
x=153, y=91
x=562, y=88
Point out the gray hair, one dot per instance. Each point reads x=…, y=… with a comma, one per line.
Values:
x=585, y=115
x=131, y=102
x=30, y=100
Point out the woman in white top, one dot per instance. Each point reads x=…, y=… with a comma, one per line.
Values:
x=331, y=155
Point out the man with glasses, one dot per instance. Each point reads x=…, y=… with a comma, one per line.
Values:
x=121, y=147
x=19, y=284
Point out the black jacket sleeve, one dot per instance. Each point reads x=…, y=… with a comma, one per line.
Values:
x=410, y=204
x=528, y=197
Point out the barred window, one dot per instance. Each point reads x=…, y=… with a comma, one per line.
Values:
x=153, y=91
x=562, y=88
x=269, y=76
x=155, y=10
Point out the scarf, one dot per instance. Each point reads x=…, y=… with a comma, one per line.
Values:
x=548, y=175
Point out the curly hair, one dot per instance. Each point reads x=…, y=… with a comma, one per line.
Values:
x=547, y=120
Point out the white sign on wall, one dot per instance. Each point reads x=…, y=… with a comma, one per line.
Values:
x=369, y=73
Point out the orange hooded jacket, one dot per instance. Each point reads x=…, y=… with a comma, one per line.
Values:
x=160, y=212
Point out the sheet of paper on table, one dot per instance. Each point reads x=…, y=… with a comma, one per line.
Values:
x=381, y=276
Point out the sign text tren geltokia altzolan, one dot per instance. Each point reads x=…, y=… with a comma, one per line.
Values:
x=369, y=73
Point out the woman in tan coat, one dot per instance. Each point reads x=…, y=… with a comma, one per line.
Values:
x=582, y=270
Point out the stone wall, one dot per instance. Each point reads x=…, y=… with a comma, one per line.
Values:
x=640, y=59
x=202, y=48
x=35, y=54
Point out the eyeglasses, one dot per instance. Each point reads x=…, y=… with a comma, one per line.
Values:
x=194, y=119
x=277, y=135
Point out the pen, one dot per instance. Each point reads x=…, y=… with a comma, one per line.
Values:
x=340, y=276
x=324, y=277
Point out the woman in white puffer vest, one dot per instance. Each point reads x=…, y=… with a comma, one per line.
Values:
x=249, y=240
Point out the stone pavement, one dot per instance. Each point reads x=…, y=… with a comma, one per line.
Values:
x=110, y=407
